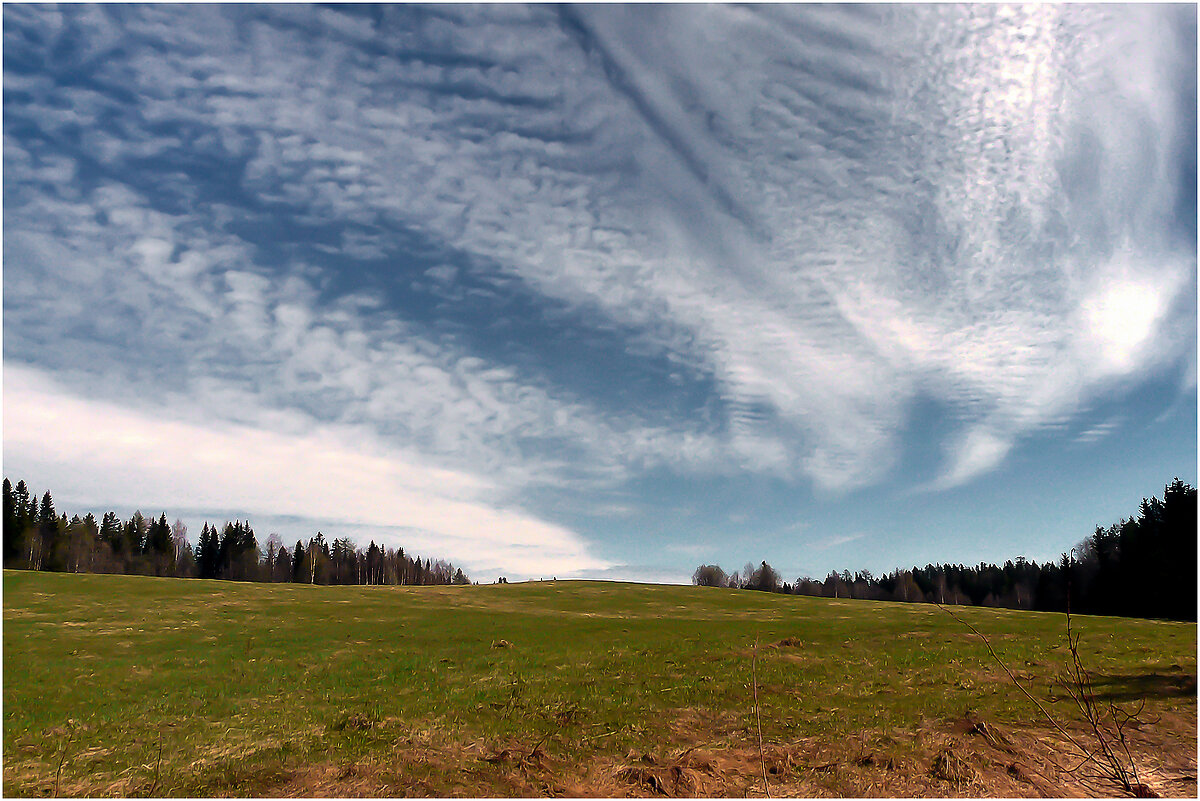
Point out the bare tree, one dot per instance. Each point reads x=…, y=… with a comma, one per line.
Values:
x=709, y=576
x=179, y=540
x=274, y=544
x=764, y=578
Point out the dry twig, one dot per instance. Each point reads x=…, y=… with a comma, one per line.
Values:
x=157, y=766
x=1109, y=735
x=754, y=680
x=1078, y=684
x=62, y=759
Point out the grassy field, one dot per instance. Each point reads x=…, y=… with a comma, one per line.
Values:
x=124, y=685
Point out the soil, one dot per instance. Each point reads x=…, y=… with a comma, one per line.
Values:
x=962, y=758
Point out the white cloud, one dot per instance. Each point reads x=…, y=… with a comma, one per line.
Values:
x=1098, y=431
x=1122, y=319
x=97, y=454
x=828, y=212
x=976, y=452
x=833, y=542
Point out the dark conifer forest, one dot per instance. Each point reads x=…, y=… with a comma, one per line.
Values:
x=1143, y=566
x=37, y=537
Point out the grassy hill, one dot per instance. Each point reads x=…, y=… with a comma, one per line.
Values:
x=126, y=685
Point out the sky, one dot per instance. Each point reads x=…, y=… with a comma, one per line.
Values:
x=605, y=291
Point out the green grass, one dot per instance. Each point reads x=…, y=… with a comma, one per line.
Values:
x=159, y=686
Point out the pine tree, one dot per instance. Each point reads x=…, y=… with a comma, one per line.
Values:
x=158, y=546
x=283, y=566
x=14, y=524
x=110, y=533
x=158, y=539
x=227, y=545
x=44, y=534
x=90, y=536
x=299, y=564
x=208, y=553
x=135, y=534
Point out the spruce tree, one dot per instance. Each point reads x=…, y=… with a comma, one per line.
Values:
x=45, y=534
x=299, y=568
x=135, y=533
x=207, y=552
x=13, y=525
x=283, y=565
x=25, y=506
x=110, y=533
x=158, y=539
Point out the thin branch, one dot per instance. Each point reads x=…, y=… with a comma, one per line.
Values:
x=754, y=680
x=62, y=759
x=1013, y=679
x=157, y=765
x=1078, y=684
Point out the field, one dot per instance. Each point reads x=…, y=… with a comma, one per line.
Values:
x=126, y=685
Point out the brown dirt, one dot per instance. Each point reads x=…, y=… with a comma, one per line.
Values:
x=962, y=758
x=713, y=755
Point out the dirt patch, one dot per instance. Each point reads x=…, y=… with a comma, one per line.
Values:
x=967, y=758
x=796, y=659
x=704, y=754
x=693, y=726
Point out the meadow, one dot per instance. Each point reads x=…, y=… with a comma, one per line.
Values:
x=137, y=686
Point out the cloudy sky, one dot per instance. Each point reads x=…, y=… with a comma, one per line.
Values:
x=605, y=291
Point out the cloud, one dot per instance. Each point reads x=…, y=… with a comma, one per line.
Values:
x=642, y=574
x=976, y=452
x=329, y=474
x=1098, y=431
x=833, y=542
x=279, y=347
x=815, y=214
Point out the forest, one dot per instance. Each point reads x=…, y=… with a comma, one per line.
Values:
x=37, y=537
x=1142, y=566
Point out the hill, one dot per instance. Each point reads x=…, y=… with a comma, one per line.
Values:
x=129, y=685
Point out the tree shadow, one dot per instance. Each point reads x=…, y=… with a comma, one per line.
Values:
x=1118, y=687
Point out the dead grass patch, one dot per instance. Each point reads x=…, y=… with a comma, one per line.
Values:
x=951, y=767
x=713, y=756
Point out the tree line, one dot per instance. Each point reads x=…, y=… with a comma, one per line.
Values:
x=37, y=537
x=1142, y=566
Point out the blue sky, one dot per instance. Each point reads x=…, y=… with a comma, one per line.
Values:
x=605, y=291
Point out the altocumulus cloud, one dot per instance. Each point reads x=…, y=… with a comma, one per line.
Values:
x=788, y=223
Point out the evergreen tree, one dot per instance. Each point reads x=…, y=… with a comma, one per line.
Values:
x=158, y=538
x=44, y=536
x=299, y=564
x=227, y=548
x=283, y=566
x=208, y=553
x=14, y=523
x=135, y=534
x=374, y=563
x=158, y=547
x=111, y=534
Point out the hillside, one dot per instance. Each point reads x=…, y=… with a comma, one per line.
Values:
x=127, y=685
